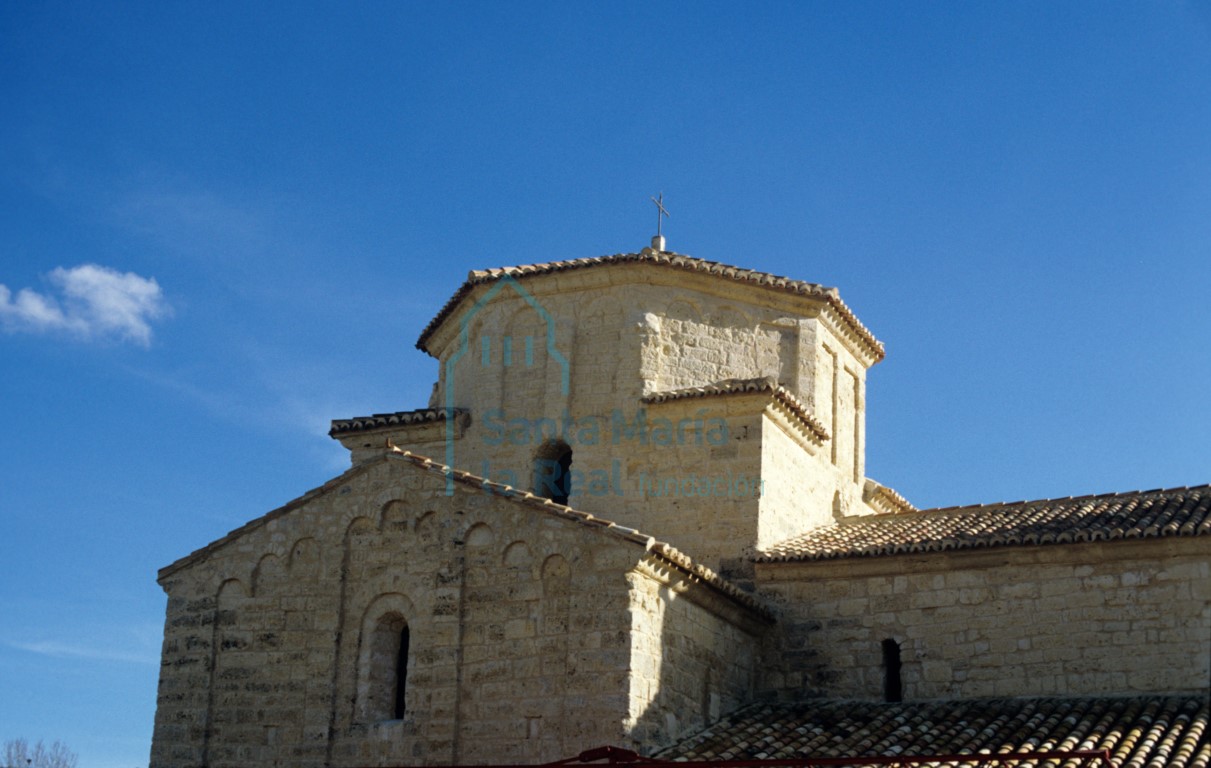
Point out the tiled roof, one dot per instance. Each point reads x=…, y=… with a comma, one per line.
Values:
x=399, y=418
x=1109, y=517
x=663, y=259
x=1153, y=731
x=744, y=386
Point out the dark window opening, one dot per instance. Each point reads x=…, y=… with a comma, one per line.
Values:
x=553, y=472
x=893, y=689
x=401, y=674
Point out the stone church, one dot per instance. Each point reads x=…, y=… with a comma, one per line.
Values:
x=635, y=513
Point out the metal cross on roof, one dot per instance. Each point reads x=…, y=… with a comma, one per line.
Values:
x=661, y=213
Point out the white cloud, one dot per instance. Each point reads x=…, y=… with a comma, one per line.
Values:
x=96, y=302
x=197, y=223
x=74, y=651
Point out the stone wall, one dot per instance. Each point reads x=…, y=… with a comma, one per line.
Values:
x=509, y=613
x=834, y=381
x=694, y=657
x=1090, y=619
x=699, y=340
x=518, y=623
x=799, y=483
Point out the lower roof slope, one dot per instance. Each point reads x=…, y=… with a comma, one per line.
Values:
x=1108, y=517
x=663, y=551
x=1147, y=731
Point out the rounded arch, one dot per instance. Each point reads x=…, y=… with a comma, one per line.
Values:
x=304, y=550
x=395, y=516
x=304, y=560
x=599, y=321
x=232, y=588
x=521, y=355
x=359, y=526
x=681, y=310
x=385, y=651
x=480, y=536
x=231, y=598
x=522, y=316
x=389, y=602
x=428, y=527
x=729, y=316
x=269, y=570
x=556, y=575
x=518, y=555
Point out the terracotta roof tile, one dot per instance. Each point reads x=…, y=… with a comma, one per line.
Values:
x=886, y=499
x=399, y=418
x=668, y=260
x=1146, y=731
x=1134, y=515
x=745, y=386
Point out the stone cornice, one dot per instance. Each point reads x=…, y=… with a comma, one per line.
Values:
x=671, y=569
x=886, y=500
x=783, y=399
x=341, y=427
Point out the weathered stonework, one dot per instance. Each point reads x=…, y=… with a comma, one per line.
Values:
x=521, y=623
x=1125, y=617
x=619, y=334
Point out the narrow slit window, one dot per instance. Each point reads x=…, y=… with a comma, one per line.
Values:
x=401, y=675
x=893, y=688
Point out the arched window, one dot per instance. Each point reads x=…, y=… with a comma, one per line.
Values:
x=553, y=471
x=892, y=686
x=388, y=678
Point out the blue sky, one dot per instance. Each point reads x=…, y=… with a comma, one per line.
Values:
x=223, y=225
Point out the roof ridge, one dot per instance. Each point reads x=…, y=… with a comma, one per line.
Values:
x=1084, y=497
x=662, y=258
x=1160, y=513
